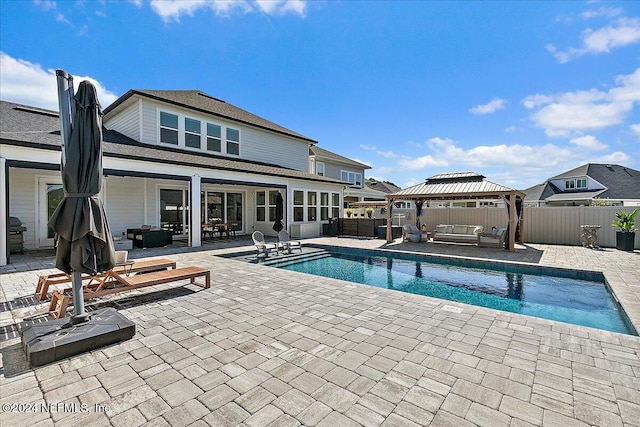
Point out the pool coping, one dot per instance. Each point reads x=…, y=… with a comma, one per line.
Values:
x=530, y=268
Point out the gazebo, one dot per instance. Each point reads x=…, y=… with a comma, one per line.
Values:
x=460, y=186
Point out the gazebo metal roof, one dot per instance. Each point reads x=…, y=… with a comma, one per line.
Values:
x=455, y=186
x=459, y=185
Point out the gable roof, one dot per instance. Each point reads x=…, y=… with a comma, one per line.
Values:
x=34, y=127
x=619, y=183
x=204, y=103
x=383, y=186
x=329, y=156
x=456, y=185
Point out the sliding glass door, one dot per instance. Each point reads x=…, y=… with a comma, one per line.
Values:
x=174, y=210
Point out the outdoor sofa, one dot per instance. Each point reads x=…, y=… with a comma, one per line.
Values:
x=457, y=233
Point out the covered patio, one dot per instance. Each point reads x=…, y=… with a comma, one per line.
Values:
x=463, y=186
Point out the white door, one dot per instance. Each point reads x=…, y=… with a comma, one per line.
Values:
x=50, y=193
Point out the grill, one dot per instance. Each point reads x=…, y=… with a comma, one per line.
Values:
x=16, y=237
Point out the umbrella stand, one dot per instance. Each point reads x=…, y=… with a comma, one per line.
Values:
x=67, y=111
x=47, y=342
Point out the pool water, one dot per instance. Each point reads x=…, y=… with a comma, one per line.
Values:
x=581, y=302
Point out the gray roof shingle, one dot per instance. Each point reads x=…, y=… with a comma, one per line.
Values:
x=333, y=157
x=200, y=101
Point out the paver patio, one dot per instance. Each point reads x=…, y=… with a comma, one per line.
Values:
x=265, y=346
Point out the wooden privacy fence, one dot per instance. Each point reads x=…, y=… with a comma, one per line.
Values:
x=551, y=225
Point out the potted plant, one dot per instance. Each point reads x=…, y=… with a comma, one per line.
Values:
x=349, y=212
x=369, y=212
x=625, y=238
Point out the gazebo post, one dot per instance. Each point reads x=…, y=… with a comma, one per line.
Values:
x=389, y=204
x=521, y=219
x=512, y=221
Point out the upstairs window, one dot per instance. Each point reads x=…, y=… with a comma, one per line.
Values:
x=192, y=133
x=214, y=137
x=581, y=183
x=233, y=141
x=569, y=184
x=352, y=178
x=320, y=168
x=168, y=128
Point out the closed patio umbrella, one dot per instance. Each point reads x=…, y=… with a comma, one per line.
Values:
x=419, y=204
x=84, y=242
x=277, y=225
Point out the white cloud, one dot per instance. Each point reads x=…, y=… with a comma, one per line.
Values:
x=24, y=82
x=570, y=112
x=511, y=129
x=624, y=31
x=635, y=129
x=589, y=142
x=172, y=10
x=519, y=160
x=493, y=106
x=386, y=154
x=368, y=147
x=607, y=12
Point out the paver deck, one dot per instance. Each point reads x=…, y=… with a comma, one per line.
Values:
x=265, y=346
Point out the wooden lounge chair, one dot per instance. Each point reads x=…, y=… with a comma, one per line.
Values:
x=113, y=282
x=42, y=288
x=284, y=240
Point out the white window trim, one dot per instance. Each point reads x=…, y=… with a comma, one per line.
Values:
x=203, y=134
x=160, y=127
x=186, y=132
x=355, y=178
x=320, y=167
x=305, y=205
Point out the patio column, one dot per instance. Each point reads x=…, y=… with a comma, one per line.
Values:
x=389, y=204
x=4, y=214
x=195, y=229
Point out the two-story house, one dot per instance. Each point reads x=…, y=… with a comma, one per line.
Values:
x=171, y=159
x=615, y=184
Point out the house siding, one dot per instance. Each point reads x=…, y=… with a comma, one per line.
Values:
x=124, y=203
x=255, y=144
x=127, y=122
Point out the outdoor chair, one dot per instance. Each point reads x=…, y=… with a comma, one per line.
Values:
x=45, y=281
x=494, y=239
x=112, y=282
x=261, y=245
x=285, y=242
x=411, y=233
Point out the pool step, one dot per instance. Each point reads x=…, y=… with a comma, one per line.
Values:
x=294, y=258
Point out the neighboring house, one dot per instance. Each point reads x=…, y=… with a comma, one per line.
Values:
x=326, y=163
x=172, y=159
x=615, y=184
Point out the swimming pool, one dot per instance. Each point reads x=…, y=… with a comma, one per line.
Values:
x=517, y=290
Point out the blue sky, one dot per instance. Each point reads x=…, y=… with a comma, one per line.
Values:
x=517, y=91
